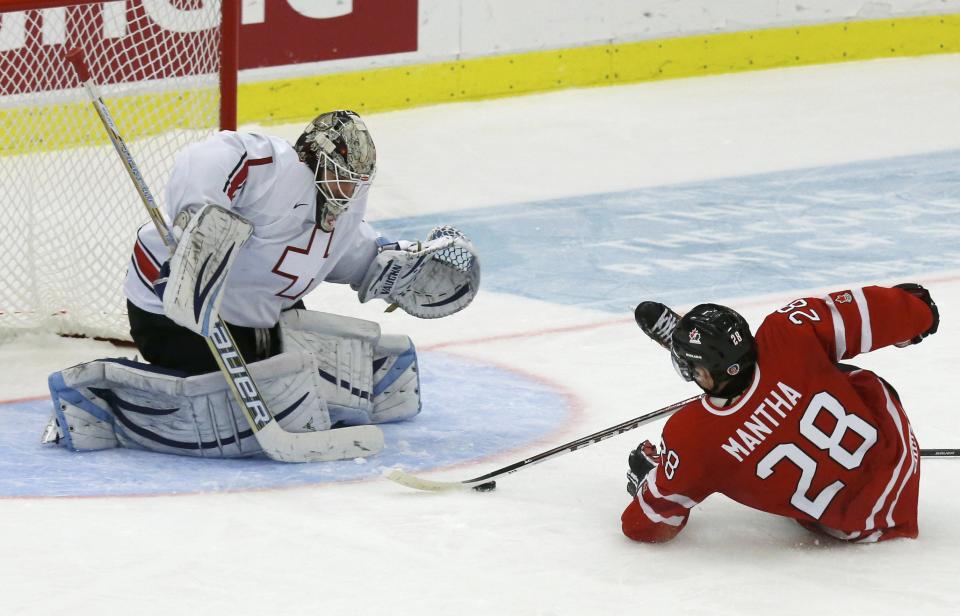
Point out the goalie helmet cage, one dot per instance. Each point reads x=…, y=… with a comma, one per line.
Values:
x=68, y=211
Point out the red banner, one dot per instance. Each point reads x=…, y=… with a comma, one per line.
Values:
x=139, y=40
x=298, y=31
x=131, y=41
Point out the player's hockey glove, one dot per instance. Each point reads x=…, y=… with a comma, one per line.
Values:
x=641, y=461
x=924, y=295
x=657, y=321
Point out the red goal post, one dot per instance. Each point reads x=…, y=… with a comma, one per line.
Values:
x=68, y=214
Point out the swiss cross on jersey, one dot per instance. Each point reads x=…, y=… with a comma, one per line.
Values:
x=298, y=264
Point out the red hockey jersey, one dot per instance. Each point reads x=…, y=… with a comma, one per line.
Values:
x=827, y=445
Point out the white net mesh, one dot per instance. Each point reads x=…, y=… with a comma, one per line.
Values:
x=68, y=211
x=456, y=256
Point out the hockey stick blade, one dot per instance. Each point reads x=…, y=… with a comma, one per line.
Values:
x=429, y=485
x=339, y=444
x=418, y=483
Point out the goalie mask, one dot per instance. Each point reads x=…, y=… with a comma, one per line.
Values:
x=338, y=148
x=717, y=339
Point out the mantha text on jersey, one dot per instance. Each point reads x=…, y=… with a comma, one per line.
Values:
x=755, y=429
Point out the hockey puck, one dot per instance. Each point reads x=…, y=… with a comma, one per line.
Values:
x=486, y=487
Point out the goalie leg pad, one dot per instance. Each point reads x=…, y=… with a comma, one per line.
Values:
x=396, y=380
x=200, y=264
x=368, y=378
x=77, y=422
x=343, y=350
x=148, y=408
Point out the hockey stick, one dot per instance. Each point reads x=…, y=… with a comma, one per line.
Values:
x=277, y=443
x=485, y=483
x=940, y=453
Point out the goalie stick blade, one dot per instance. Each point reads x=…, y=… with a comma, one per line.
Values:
x=339, y=444
x=428, y=485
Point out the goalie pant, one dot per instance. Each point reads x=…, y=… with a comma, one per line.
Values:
x=333, y=372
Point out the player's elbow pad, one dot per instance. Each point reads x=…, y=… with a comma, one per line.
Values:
x=654, y=533
x=923, y=295
x=638, y=527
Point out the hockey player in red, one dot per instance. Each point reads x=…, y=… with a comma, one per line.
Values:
x=784, y=426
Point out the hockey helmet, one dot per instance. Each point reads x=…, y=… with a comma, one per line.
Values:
x=339, y=150
x=717, y=339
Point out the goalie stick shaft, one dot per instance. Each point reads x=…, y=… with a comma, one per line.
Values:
x=412, y=481
x=277, y=444
x=418, y=483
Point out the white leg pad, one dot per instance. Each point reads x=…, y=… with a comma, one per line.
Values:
x=150, y=409
x=396, y=378
x=81, y=426
x=371, y=378
x=343, y=350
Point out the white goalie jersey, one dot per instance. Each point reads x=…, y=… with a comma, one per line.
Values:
x=262, y=179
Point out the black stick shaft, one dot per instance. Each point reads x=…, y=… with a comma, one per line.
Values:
x=940, y=453
x=585, y=441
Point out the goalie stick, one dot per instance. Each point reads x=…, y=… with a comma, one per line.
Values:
x=485, y=483
x=277, y=443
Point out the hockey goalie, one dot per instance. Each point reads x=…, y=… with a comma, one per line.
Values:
x=259, y=224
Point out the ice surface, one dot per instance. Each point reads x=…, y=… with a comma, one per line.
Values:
x=564, y=195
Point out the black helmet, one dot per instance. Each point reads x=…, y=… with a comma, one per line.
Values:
x=718, y=339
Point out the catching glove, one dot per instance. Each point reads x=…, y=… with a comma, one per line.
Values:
x=429, y=279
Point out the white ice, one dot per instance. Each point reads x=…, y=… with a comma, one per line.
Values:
x=547, y=541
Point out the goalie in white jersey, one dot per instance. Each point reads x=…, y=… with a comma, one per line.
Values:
x=259, y=224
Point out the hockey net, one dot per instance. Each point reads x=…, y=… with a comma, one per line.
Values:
x=68, y=211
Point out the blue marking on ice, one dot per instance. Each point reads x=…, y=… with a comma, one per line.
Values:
x=471, y=410
x=720, y=239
